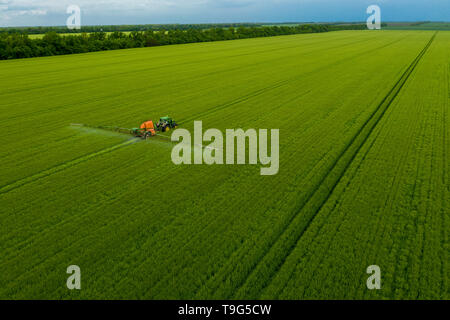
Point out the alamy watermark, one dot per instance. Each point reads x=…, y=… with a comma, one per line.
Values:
x=191, y=150
x=74, y=280
x=374, y=20
x=74, y=20
x=374, y=281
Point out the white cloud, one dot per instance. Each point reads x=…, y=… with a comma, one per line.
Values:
x=101, y=8
x=32, y=12
x=53, y=12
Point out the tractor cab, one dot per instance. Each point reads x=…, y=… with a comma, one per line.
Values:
x=165, y=124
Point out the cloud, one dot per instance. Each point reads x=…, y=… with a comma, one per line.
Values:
x=32, y=12
x=53, y=12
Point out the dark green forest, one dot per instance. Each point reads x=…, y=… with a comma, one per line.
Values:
x=18, y=45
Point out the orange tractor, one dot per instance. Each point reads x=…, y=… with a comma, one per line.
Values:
x=148, y=129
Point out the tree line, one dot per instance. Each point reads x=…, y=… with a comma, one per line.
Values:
x=123, y=28
x=17, y=45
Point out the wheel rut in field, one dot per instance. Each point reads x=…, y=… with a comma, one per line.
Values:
x=281, y=83
x=280, y=249
x=60, y=167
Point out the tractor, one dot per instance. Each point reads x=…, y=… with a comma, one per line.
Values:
x=145, y=131
x=165, y=124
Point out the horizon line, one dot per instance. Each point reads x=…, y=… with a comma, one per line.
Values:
x=211, y=23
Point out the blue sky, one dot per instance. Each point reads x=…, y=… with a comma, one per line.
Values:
x=53, y=12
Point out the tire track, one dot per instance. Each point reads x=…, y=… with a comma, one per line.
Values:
x=227, y=271
x=91, y=208
x=152, y=68
x=60, y=167
x=281, y=83
x=45, y=111
x=336, y=205
x=271, y=262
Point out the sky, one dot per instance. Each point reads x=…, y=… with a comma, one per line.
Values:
x=109, y=12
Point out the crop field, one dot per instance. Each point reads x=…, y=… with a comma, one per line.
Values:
x=418, y=26
x=363, y=176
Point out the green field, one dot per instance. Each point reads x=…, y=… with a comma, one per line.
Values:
x=363, y=180
x=418, y=26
